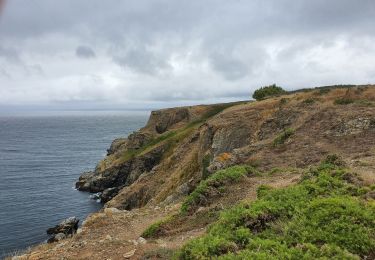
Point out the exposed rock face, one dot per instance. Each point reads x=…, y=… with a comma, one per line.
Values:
x=280, y=120
x=121, y=175
x=164, y=119
x=170, y=152
x=108, y=194
x=354, y=126
x=63, y=230
x=134, y=141
x=116, y=145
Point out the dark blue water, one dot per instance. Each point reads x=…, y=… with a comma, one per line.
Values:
x=41, y=157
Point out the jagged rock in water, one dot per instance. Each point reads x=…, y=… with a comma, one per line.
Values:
x=120, y=175
x=108, y=194
x=66, y=228
x=82, y=184
x=56, y=238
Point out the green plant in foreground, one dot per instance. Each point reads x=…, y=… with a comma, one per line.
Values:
x=322, y=217
x=281, y=138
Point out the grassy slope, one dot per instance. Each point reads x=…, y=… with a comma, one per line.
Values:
x=321, y=217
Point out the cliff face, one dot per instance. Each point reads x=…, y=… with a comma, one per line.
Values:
x=145, y=151
x=178, y=146
x=145, y=177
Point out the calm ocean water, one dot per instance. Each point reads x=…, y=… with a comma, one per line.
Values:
x=41, y=157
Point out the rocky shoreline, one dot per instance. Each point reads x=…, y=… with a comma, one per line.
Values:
x=65, y=229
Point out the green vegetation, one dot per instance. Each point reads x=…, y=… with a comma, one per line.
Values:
x=268, y=91
x=281, y=138
x=322, y=217
x=344, y=101
x=216, y=109
x=215, y=181
x=152, y=230
x=263, y=191
x=309, y=101
x=324, y=91
x=364, y=103
x=283, y=101
x=334, y=159
x=155, y=229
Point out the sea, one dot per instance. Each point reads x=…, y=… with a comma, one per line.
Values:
x=41, y=158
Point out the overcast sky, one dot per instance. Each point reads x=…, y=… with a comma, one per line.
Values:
x=154, y=53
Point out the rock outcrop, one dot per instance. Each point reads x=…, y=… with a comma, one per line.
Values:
x=65, y=229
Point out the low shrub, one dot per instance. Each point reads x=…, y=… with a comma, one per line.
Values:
x=334, y=159
x=308, y=101
x=343, y=101
x=267, y=91
x=283, y=101
x=324, y=91
x=154, y=229
x=215, y=181
x=263, y=191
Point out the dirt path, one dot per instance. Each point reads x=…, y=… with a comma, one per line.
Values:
x=112, y=234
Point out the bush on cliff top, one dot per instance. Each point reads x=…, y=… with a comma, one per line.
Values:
x=321, y=217
x=268, y=91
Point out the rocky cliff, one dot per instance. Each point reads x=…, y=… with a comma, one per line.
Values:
x=179, y=146
x=146, y=176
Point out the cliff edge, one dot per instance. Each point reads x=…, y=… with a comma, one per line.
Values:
x=166, y=183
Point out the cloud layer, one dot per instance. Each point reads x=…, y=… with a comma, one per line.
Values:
x=153, y=52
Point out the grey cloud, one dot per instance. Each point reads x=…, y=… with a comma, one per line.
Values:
x=35, y=69
x=142, y=60
x=230, y=68
x=181, y=50
x=9, y=54
x=4, y=73
x=85, y=52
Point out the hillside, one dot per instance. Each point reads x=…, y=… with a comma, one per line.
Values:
x=247, y=180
